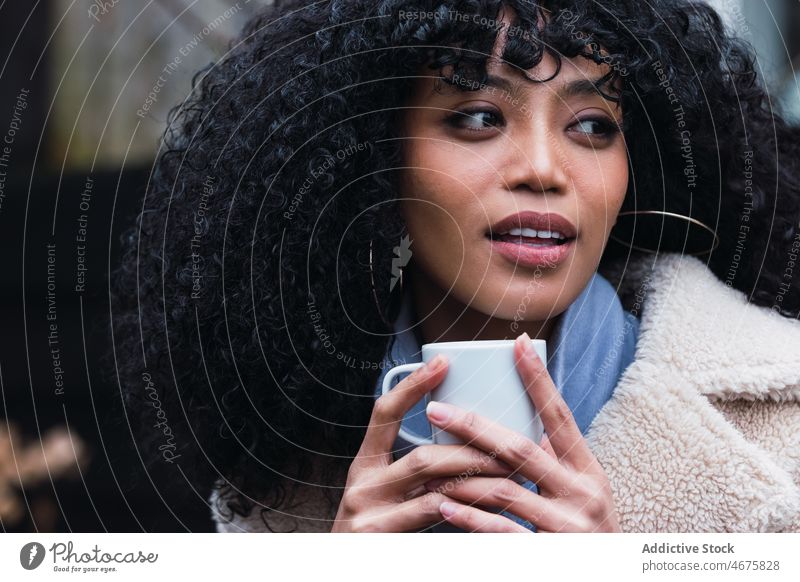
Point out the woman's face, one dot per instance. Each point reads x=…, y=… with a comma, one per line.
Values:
x=513, y=146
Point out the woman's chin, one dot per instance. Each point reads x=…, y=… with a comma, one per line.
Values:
x=536, y=302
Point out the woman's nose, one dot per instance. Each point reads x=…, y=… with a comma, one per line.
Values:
x=536, y=161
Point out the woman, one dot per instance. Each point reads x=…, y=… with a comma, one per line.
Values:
x=357, y=178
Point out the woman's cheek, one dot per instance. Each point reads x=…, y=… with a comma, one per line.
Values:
x=437, y=239
x=601, y=193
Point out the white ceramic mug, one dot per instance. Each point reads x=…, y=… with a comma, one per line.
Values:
x=481, y=377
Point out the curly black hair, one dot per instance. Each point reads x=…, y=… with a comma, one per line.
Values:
x=244, y=302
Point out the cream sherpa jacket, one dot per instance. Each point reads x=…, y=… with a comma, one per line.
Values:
x=702, y=433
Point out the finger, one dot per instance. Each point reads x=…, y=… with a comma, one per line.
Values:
x=564, y=435
x=547, y=447
x=409, y=515
x=473, y=519
x=508, y=445
x=389, y=409
x=506, y=495
x=430, y=461
x=415, y=492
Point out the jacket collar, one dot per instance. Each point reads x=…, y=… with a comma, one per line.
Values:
x=675, y=461
x=697, y=326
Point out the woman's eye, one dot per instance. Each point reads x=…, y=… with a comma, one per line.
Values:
x=596, y=127
x=475, y=119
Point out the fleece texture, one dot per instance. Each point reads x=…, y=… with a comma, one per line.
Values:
x=702, y=433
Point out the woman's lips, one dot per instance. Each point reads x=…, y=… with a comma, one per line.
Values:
x=531, y=252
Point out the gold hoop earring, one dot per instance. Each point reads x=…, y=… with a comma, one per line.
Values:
x=664, y=213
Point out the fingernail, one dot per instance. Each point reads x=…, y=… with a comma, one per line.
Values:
x=436, y=363
x=437, y=411
x=525, y=339
x=447, y=509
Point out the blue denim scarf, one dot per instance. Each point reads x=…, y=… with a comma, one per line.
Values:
x=592, y=343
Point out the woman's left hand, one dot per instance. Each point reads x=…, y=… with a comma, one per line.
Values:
x=574, y=492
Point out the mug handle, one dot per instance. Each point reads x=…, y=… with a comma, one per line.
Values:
x=387, y=385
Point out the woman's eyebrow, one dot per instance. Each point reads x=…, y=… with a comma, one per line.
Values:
x=576, y=88
x=581, y=87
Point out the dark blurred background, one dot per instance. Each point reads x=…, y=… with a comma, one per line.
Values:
x=86, y=87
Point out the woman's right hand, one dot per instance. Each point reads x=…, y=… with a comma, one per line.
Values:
x=382, y=495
